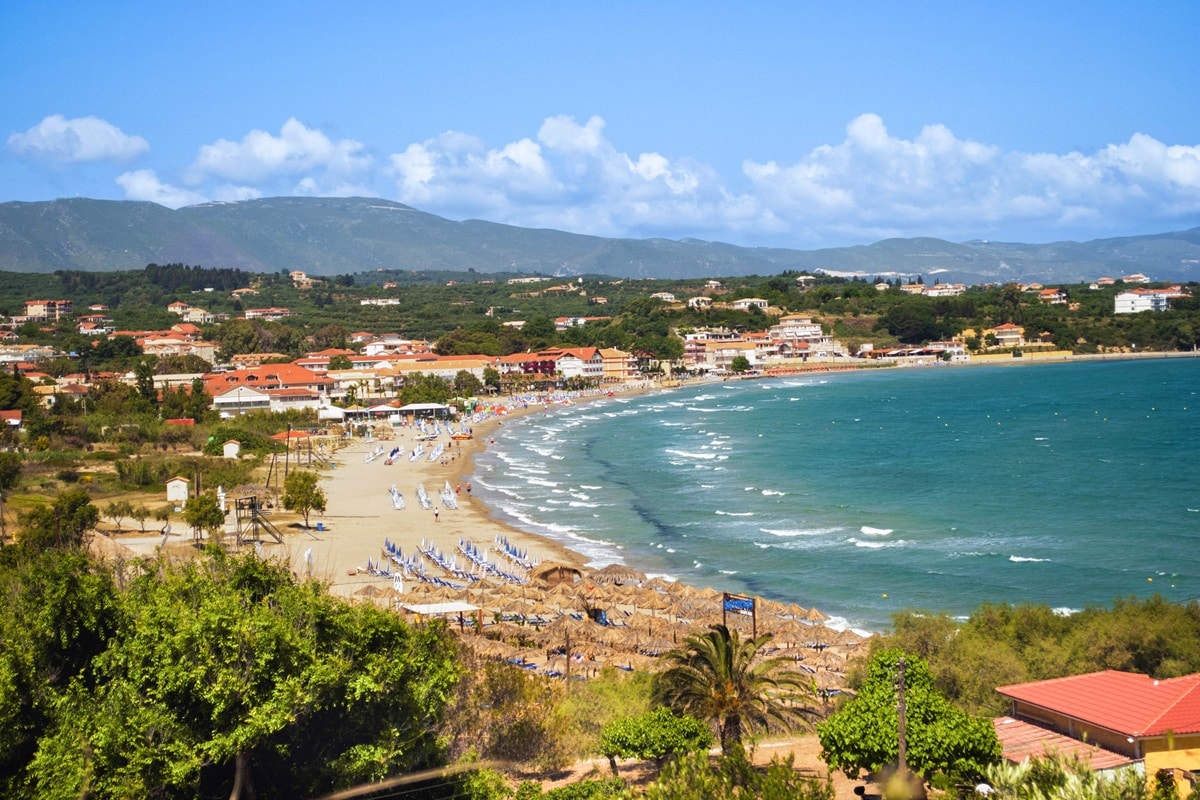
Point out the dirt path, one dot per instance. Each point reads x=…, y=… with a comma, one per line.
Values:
x=805, y=750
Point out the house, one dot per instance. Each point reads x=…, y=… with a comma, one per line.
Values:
x=619, y=366
x=268, y=376
x=1121, y=718
x=177, y=491
x=1138, y=300
x=1136, y=277
x=1008, y=335
x=700, y=302
x=946, y=290
x=179, y=307
x=255, y=360
x=269, y=314
x=913, y=288
x=198, y=316
x=666, y=297
x=235, y=400
x=47, y=310
x=747, y=303
x=720, y=355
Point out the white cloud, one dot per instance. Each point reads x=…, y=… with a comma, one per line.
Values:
x=57, y=138
x=871, y=185
x=143, y=184
x=874, y=183
x=261, y=156
x=570, y=177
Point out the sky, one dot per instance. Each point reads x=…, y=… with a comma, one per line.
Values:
x=783, y=124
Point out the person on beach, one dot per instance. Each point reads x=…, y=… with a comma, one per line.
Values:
x=436, y=516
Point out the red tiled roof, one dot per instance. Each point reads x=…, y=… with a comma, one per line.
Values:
x=1023, y=740
x=1125, y=702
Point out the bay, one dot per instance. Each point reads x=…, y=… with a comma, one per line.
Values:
x=868, y=492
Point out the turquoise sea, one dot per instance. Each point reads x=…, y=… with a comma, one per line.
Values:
x=864, y=493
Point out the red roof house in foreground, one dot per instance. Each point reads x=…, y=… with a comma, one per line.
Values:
x=1119, y=717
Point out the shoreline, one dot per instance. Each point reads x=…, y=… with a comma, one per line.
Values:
x=353, y=488
x=360, y=517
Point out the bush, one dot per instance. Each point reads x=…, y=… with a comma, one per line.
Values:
x=657, y=735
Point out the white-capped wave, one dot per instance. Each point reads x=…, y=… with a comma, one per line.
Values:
x=1024, y=559
x=801, y=531
x=867, y=530
x=773, y=493
x=734, y=513
x=687, y=454
x=878, y=545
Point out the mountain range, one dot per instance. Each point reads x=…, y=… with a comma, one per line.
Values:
x=336, y=236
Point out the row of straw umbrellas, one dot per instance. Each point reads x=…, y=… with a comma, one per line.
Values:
x=549, y=626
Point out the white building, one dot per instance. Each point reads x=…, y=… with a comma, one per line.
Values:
x=1139, y=300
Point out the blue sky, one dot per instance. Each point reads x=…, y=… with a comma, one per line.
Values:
x=782, y=124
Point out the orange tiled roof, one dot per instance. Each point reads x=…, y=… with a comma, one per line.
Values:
x=1125, y=702
x=1021, y=740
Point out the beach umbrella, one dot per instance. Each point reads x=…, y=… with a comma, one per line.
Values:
x=659, y=583
x=618, y=574
x=556, y=572
x=813, y=615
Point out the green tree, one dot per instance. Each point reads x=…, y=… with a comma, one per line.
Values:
x=740, y=364
x=228, y=676
x=118, y=510
x=491, y=378
x=864, y=735
x=63, y=523
x=421, y=387
x=302, y=494
x=203, y=514
x=58, y=613
x=539, y=331
x=656, y=735
x=721, y=678
x=144, y=374
x=466, y=384
x=140, y=514
x=340, y=362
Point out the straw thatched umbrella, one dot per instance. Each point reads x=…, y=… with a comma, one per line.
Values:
x=554, y=573
x=660, y=584
x=617, y=574
x=813, y=615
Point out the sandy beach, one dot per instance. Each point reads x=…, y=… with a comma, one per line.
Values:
x=359, y=514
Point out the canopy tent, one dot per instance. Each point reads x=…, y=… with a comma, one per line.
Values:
x=453, y=607
x=384, y=408
x=425, y=409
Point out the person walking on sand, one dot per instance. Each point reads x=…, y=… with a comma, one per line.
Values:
x=436, y=516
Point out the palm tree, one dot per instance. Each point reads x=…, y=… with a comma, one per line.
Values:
x=719, y=677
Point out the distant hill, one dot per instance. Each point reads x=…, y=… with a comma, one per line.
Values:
x=335, y=236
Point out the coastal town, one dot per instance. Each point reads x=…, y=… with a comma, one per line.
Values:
x=372, y=366
x=389, y=428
